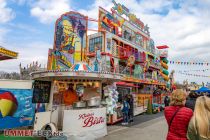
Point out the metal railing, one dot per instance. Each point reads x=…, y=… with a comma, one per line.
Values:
x=126, y=72
x=130, y=40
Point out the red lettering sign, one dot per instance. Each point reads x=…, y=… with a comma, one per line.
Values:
x=90, y=119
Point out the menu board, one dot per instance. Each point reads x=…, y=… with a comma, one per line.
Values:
x=41, y=92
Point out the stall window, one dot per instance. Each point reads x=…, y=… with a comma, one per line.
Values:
x=139, y=40
x=114, y=48
x=122, y=93
x=108, y=44
x=95, y=43
x=127, y=33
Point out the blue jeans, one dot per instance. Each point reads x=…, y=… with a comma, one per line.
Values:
x=125, y=117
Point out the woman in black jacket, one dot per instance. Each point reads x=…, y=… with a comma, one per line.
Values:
x=190, y=103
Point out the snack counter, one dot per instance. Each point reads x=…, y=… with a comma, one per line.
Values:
x=75, y=102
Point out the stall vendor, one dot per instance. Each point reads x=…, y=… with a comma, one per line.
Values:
x=70, y=95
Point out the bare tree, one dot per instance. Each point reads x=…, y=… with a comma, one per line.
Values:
x=12, y=75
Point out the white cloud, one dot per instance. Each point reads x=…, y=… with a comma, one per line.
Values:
x=6, y=13
x=28, y=52
x=48, y=11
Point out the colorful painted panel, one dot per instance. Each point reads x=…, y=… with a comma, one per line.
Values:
x=16, y=108
x=70, y=35
x=110, y=23
x=118, y=25
x=59, y=60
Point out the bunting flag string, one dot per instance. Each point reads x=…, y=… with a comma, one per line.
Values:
x=195, y=75
x=203, y=70
x=189, y=63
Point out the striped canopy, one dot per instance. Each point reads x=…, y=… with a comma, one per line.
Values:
x=81, y=67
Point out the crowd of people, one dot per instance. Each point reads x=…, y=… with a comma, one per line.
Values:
x=188, y=117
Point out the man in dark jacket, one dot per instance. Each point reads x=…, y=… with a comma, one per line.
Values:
x=130, y=102
x=166, y=100
x=125, y=110
x=190, y=103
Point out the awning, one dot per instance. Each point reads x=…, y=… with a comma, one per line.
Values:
x=203, y=89
x=81, y=66
x=67, y=74
x=7, y=54
x=126, y=84
x=162, y=47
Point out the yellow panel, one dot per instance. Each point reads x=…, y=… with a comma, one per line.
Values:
x=7, y=107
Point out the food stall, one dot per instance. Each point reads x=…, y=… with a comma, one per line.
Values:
x=75, y=104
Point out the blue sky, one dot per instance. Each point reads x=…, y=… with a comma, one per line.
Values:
x=27, y=26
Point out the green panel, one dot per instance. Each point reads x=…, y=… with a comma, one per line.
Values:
x=165, y=71
x=165, y=60
x=168, y=85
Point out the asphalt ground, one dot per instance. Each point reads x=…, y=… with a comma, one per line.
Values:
x=141, y=119
x=155, y=129
x=144, y=127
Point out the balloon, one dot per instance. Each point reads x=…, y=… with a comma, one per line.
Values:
x=8, y=103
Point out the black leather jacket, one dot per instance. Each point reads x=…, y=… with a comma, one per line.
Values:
x=190, y=103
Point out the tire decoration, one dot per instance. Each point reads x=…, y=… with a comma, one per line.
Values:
x=165, y=60
x=165, y=77
x=164, y=65
x=164, y=72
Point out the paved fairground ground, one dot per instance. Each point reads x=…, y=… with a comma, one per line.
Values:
x=145, y=127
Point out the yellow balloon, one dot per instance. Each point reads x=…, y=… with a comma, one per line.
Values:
x=7, y=107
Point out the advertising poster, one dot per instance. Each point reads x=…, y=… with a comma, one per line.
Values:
x=16, y=108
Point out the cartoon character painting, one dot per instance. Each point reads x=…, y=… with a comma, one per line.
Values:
x=70, y=39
